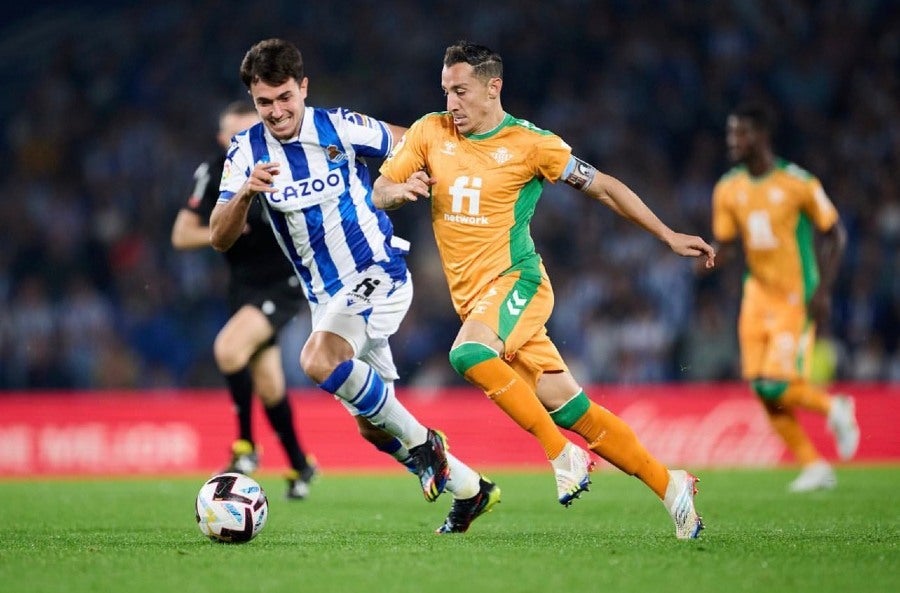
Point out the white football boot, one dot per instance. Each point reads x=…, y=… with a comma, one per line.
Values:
x=842, y=424
x=817, y=475
x=679, y=501
x=572, y=468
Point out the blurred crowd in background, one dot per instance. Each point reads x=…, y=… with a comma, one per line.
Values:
x=107, y=110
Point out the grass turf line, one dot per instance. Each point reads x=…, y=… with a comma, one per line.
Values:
x=365, y=532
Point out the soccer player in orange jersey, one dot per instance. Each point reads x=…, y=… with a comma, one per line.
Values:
x=484, y=169
x=777, y=209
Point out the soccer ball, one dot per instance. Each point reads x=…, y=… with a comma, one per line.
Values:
x=231, y=508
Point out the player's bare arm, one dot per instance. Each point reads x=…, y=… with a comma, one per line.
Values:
x=624, y=202
x=396, y=133
x=188, y=231
x=829, y=248
x=390, y=195
x=228, y=219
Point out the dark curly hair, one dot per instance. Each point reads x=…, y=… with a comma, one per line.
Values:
x=272, y=61
x=761, y=116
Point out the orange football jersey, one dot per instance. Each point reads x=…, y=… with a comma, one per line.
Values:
x=775, y=216
x=487, y=187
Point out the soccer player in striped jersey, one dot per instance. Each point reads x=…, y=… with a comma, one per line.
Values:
x=777, y=210
x=306, y=165
x=483, y=170
x=263, y=296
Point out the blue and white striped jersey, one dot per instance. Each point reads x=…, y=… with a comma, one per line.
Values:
x=322, y=212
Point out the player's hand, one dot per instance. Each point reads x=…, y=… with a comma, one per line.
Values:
x=693, y=246
x=394, y=195
x=262, y=178
x=820, y=307
x=418, y=185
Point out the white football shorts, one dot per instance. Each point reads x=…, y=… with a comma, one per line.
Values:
x=366, y=312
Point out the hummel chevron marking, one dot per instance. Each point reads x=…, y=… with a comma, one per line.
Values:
x=515, y=303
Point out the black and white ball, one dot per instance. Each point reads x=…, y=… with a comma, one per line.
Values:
x=231, y=508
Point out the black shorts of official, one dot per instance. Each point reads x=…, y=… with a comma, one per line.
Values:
x=279, y=301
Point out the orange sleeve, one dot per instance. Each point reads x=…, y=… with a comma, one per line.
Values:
x=409, y=154
x=724, y=226
x=818, y=206
x=550, y=156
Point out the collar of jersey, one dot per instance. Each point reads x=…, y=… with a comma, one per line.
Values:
x=778, y=164
x=507, y=120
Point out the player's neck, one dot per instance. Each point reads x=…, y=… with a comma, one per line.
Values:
x=491, y=124
x=761, y=164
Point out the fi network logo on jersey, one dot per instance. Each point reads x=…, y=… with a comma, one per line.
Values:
x=465, y=207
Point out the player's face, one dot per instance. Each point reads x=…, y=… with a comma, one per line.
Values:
x=473, y=102
x=742, y=139
x=280, y=107
x=233, y=123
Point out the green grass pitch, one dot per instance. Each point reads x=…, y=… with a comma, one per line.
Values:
x=373, y=532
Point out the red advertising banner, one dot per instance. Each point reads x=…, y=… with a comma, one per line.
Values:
x=117, y=433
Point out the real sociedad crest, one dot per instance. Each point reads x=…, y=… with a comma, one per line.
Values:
x=334, y=154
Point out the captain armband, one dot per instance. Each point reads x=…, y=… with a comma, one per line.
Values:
x=578, y=173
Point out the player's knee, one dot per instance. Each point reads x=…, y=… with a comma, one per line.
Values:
x=315, y=366
x=571, y=412
x=228, y=358
x=269, y=387
x=468, y=354
x=322, y=354
x=270, y=399
x=768, y=390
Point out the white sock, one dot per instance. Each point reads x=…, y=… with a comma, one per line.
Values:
x=464, y=481
x=356, y=383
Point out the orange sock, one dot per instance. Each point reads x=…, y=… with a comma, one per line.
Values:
x=806, y=396
x=613, y=440
x=791, y=432
x=518, y=400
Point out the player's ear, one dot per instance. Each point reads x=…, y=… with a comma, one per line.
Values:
x=304, y=87
x=494, y=86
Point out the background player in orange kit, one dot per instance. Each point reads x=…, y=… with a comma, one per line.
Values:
x=484, y=169
x=777, y=209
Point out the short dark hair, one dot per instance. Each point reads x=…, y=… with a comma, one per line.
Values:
x=485, y=62
x=760, y=116
x=239, y=107
x=272, y=61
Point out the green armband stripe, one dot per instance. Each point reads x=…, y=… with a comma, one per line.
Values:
x=769, y=390
x=569, y=413
x=468, y=354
